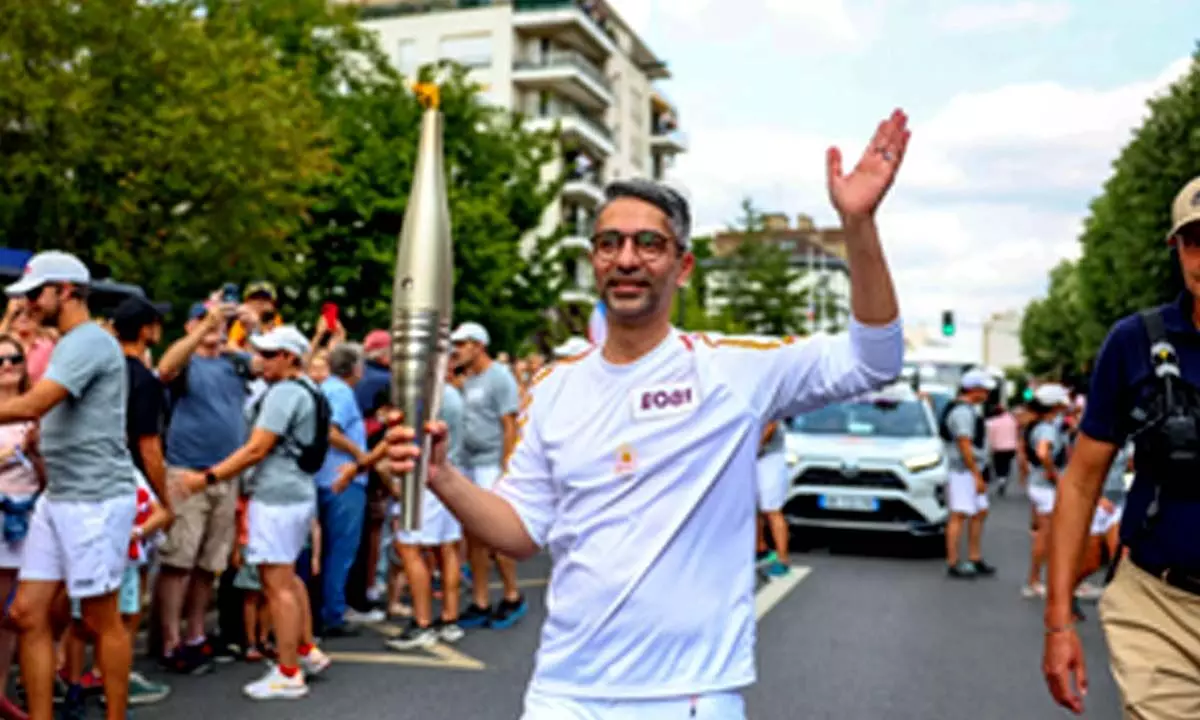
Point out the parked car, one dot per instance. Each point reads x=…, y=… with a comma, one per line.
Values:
x=875, y=464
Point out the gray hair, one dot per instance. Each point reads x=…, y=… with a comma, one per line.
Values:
x=661, y=196
x=345, y=359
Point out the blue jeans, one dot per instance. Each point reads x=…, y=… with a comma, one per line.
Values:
x=341, y=531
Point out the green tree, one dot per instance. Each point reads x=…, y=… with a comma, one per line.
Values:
x=1052, y=327
x=761, y=291
x=169, y=150
x=1125, y=264
x=495, y=172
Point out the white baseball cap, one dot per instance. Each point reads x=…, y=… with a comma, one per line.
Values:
x=572, y=347
x=52, y=266
x=470, y=331
x=284, y=338
x=977, y=380
x=1051, y=395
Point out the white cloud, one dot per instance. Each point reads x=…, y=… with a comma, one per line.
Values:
x=993, y=192
x=997, y=16
x=819, y=23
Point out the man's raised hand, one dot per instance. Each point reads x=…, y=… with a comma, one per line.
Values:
x=858, y=194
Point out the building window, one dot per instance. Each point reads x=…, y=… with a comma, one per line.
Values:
x=406, y=57
x=470, y=50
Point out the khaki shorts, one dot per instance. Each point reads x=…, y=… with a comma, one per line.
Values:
x=1153, y=633
x=203, y=532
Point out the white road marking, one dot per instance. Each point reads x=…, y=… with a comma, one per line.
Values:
x=777, y=589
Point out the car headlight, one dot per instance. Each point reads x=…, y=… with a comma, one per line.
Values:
x=923, y=462
x=793, y=459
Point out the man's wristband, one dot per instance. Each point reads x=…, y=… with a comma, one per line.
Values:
x=210, y=478
x=1056, y=629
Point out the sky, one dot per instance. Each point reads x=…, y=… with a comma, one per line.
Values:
x=1017, y=108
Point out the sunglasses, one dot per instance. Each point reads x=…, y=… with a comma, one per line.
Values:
x=648, y=244
x=268, y=354
x=14, y=359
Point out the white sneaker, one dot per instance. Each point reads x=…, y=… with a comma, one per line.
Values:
x=1033, y=591
x=1088, y=591
x=450, y=632
x=372, y=617
x=315, y=662
x=277, y=686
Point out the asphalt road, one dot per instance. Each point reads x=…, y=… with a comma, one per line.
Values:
x=861, y=630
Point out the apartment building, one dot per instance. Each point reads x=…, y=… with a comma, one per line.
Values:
x=574, y=63
x=819, y=253
x=1002, y=340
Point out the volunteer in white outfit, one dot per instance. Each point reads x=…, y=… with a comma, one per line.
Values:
x=287, y=447
x=963, y=428
x=439, y=533
x=772, y=481
x=634, y=463
x=1046, y=448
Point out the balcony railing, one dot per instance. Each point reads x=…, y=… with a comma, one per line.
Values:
x=559, y=58
x=398, y=8
x=536, y=5
x=676, y=136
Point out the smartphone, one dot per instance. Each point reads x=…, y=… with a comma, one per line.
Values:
x=231, y=293
x=330, y=312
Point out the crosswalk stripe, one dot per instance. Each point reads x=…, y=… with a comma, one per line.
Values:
x=777, y=589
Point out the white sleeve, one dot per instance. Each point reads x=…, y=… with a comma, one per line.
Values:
x=793, y=375
x=527, y=484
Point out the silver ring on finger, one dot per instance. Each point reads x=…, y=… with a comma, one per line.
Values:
x=887, y=155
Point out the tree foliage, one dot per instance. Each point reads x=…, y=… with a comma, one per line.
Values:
x=762, y=292
x=497, y=191
x=1126, y=265
x=1052, y=327
x=169, y=150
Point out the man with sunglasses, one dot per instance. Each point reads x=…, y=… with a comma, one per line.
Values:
x=1151, y=608
x=80, y=530
x=636, y=462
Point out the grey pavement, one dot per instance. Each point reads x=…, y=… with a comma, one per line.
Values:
x=870, y=632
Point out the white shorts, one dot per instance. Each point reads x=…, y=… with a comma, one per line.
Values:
x=485, y=476
x=1104, y=520
x=962, y=497
x=1042, y=499
x=84, y=544
x=438, y=526
x=711, y=706
x=278, y=533
x=771, y=478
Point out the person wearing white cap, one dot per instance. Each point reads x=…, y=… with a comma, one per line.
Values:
x=79, y=532
x=962, y=427
x=573, y=347
x=287, y=447
x=635, y=464
x=1046, y=448
x=492, y=398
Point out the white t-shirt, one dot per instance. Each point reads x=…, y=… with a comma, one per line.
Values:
x=640, y=480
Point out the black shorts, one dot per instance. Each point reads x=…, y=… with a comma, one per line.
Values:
x=1002, y=461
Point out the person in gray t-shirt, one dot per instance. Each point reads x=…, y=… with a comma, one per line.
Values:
x=79, y=532
x=1045, y=442
x=286, y=448
x=962, y=428
x=492, y=400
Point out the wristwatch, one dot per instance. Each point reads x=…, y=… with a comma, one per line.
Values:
x=210, y=478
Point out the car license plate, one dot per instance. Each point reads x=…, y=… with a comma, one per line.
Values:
x=855, y=503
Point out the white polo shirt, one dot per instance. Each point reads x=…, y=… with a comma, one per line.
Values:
x=640, y=480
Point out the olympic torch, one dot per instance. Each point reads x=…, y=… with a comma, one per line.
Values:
x=422, y=297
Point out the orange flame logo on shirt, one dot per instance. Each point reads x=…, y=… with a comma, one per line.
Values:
x=626, y=460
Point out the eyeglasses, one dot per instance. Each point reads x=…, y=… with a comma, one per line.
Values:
x=648, y=244
x=14, y=360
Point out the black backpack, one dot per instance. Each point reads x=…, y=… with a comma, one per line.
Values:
x=944, y=429
x=312, y=456
x=1060, y=457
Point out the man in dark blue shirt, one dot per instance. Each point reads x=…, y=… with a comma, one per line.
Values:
x=1152, y=608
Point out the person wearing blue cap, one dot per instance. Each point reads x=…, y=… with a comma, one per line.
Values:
x=80, y=530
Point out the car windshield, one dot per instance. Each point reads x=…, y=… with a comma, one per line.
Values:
x=939, y=401
x=868, y=418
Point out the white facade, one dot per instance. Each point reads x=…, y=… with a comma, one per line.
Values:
x=554, y=62
x=1002, y=340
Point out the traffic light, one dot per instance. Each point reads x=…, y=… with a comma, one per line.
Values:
x=948, y=323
